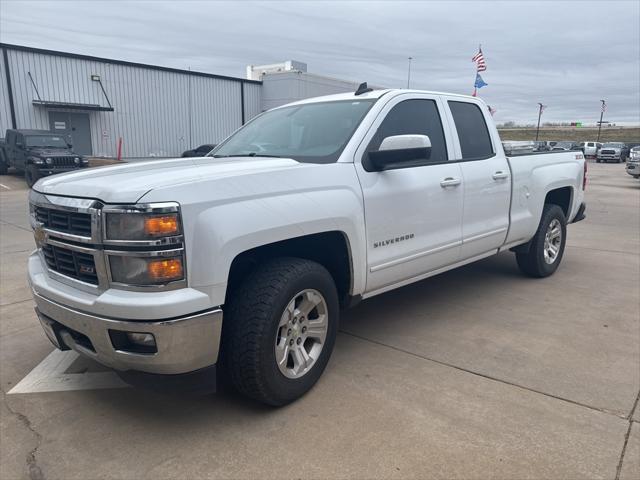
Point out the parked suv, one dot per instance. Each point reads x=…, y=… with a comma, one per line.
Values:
x=38, y=153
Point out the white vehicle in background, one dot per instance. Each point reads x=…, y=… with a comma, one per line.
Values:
x=590, y=149
x=245, y=257
x=633, y=163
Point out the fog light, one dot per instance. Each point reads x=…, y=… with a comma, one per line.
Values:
x=143, y=339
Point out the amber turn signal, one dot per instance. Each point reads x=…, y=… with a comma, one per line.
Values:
x=162, y=225
x=165, y=270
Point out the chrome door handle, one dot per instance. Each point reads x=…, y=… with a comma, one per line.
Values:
x=450, y=182
x=500, y=175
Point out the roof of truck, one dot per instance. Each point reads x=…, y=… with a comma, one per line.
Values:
x=374, y=94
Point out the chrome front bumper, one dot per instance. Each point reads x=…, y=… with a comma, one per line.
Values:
x=184, y=344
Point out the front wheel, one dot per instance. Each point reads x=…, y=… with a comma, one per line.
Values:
x=280, y=329
x=547, y=245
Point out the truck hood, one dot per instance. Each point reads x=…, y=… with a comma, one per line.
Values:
x=129, y=182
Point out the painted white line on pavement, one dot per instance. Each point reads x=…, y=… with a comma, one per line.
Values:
x=50, y=376
x=4, y=186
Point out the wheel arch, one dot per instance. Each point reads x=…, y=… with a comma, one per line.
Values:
x=331, y=249
x=563, y=197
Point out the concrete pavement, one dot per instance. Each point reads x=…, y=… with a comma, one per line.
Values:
x=476, y=373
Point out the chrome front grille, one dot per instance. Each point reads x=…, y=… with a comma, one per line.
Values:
x=64, y=221
x=69, y=234
x=71, y=263
x=608, y=152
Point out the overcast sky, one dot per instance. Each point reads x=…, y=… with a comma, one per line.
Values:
x=567, y=55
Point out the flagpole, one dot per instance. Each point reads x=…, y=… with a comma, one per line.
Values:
x=409, y=72
x=600, y=122
x=539, y=115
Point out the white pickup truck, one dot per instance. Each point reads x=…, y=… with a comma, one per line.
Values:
x=307, y=209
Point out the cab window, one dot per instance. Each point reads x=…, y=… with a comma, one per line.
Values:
x=414, y=117
x=475, y=141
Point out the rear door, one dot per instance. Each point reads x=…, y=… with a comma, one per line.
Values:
x=412, y=214
x=486, y=176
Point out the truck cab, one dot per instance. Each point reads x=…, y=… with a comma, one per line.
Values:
x=38, y=153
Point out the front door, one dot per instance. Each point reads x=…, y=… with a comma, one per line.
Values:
x=413, y=215
x=76, y=127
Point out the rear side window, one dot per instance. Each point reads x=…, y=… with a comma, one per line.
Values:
x=414, y=117
x=590, y=144
x=473, y=133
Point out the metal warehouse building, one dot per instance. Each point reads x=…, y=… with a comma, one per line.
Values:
x=156, y=111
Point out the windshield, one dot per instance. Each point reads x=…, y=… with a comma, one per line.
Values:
x=45, y=141
x=312, y=132
x=613, y=145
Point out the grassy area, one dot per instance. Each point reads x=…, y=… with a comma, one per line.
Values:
x=584, y=134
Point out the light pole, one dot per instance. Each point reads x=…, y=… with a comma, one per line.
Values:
x=409, y=72
x=540, y=108
x=602, y=109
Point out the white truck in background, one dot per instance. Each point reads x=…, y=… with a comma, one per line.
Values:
x=244, y=258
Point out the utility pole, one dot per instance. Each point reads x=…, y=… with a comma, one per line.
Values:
x=602, y=109
x=540, y=107
x=409, y=72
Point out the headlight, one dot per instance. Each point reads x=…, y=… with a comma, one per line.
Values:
x=142, y=226
x=77, y=160
x=48, y=160
x=132, y=270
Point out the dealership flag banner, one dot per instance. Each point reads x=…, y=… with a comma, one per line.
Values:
x=481, y=66
x=480, y=82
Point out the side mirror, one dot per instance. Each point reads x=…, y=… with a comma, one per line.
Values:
x=69, y=145
x=399, y=151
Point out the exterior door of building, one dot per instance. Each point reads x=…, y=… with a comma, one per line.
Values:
x=75, y=126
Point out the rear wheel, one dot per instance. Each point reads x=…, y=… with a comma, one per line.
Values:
x=31, y=175
x=547, y=246
x=280, y=329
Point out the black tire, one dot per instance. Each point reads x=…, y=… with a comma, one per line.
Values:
x=31, y=175
x=533, y=262
x=251, y=328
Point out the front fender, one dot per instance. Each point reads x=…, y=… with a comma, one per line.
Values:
x=223, y=232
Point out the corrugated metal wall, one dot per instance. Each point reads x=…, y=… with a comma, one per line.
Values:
x=5, y=112
x=156, y=112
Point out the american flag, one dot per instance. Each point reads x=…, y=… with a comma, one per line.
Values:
x=478, y=59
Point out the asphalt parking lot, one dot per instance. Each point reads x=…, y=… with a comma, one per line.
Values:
x=476, y=373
